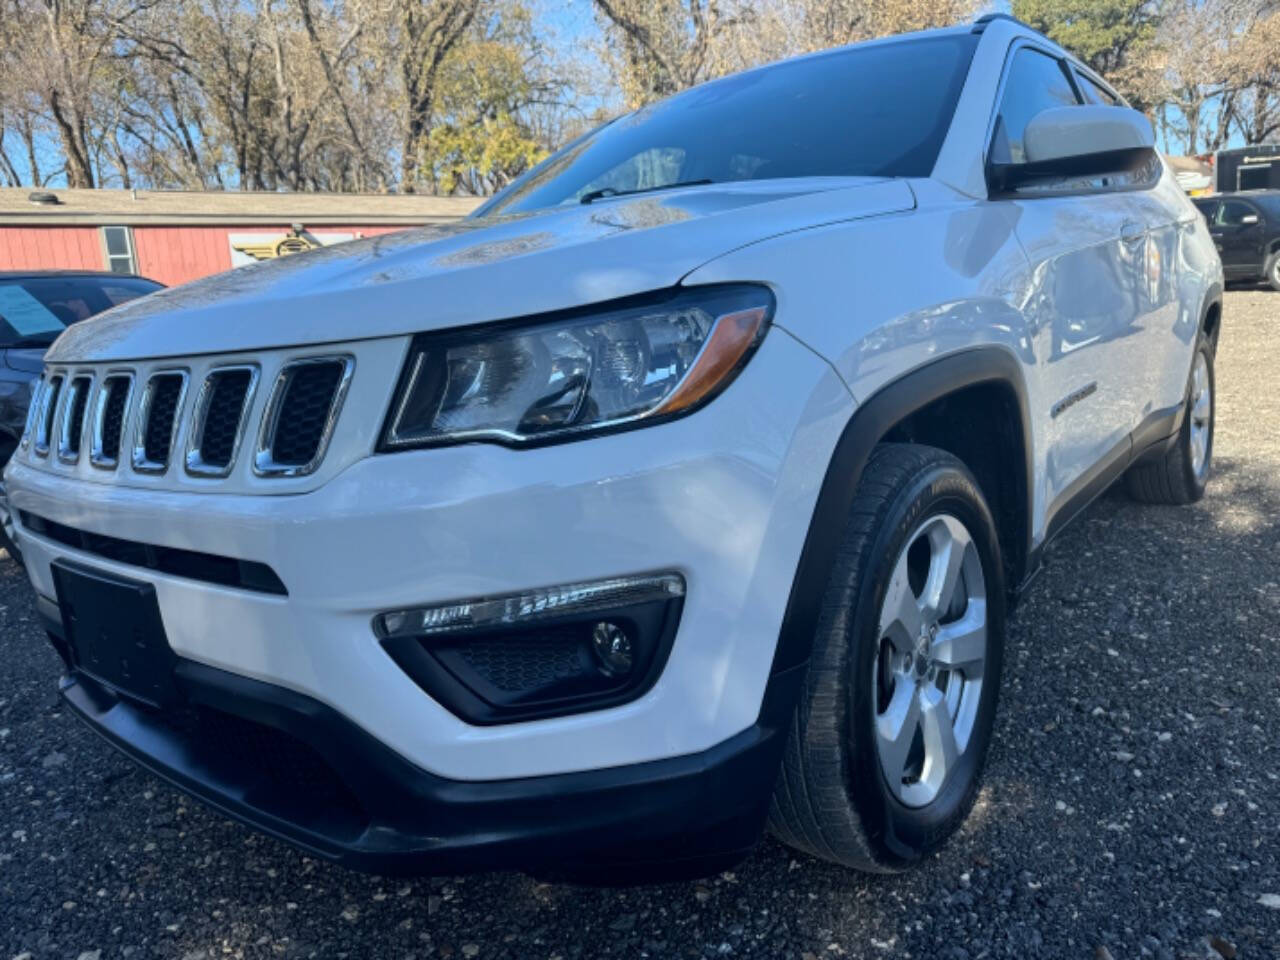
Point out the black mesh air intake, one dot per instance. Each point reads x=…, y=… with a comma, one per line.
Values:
x=75, y=416
x=166, y=391
x=222, y=416
x=113, y=411
x=538, y=660
x=304, y=409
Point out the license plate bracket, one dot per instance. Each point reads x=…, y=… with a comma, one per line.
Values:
x=115, y=633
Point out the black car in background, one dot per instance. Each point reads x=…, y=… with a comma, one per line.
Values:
x=1246, y=229
x=36, y=306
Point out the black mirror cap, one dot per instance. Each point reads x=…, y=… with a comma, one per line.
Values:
x=1131, y=168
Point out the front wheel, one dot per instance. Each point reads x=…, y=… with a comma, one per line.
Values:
x=888, y=742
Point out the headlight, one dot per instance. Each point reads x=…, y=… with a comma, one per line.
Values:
x=636, y=361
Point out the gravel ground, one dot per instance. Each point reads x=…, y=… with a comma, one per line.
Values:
x=1131, y=806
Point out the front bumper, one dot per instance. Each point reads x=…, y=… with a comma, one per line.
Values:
x=723, y=497
x=296, y=769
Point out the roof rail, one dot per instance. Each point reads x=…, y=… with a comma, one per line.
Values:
x=981, y=23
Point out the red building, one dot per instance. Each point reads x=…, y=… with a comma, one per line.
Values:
x=173, y=236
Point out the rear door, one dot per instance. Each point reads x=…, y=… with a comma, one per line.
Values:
x=1085, y=249
x=1237, y=229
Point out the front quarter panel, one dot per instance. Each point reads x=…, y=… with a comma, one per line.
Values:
x=881, y=297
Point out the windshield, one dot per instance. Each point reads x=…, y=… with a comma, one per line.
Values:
x=34, y=310
x=879, y=110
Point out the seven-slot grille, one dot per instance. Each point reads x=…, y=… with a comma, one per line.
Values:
x=296, y=425
x=73, y=420
x=158, y=420
x=48, y=409
x=219, y=420
x=300, y=416
x=108, y=430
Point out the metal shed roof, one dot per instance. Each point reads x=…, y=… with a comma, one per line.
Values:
x=231, y=208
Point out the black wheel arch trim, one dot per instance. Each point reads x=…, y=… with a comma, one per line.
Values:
x=870, y=422
x=1212, y=298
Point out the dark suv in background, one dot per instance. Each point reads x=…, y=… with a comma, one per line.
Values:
x=36, y=306
x=1246, y=229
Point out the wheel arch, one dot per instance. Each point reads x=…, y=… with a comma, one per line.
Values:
x=887, y=410
x=1211, y=314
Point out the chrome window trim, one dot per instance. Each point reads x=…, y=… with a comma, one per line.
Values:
x=47, y=417
x=96, y=455
x=80, y=380
x=263, y=464
x=195, y=465
x=139, y=458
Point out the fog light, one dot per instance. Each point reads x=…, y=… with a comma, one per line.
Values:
x=543, y=652
x=612, y=647
x=518, y=609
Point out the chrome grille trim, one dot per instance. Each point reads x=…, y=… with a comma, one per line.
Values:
x=195, y=464
x=49, y=398
x=98, y=455
x=264, y=464
x=141, y=463
x=70, y=433
x=241, y=421
x=33, y=410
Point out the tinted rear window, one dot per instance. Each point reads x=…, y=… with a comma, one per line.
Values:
x=34, y=310
x=875, y=110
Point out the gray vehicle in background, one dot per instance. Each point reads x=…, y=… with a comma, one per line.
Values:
x=36, y=306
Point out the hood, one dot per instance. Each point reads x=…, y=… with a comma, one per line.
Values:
x=472, y=271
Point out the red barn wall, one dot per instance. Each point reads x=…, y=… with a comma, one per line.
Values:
x=170, y=255
x=50, y=248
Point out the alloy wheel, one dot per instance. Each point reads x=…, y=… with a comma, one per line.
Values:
x=1201, y=413
x=929, y=667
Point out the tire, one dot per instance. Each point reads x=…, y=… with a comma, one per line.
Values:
x=6, y=521
x=1272, y=272
x=1180, y=475
x=834, y=799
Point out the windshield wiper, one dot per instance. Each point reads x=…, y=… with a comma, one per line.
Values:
x=594, y=195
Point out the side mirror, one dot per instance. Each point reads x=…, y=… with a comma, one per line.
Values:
x=1065, y=145
x=1249, y=219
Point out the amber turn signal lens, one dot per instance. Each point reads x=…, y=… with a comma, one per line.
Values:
x=730, y=342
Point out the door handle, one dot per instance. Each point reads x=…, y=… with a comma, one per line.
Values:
x=1132, y=232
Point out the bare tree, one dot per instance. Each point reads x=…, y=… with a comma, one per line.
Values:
x=426, y=30
x=1204, y=69
x=659, y=47
x=1255, y=66
x=410, y=95
x=834, y=22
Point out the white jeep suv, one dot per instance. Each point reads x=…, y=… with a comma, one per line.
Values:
x=681, y=490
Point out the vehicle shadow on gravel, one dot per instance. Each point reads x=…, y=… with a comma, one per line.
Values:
x=1130, y=802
